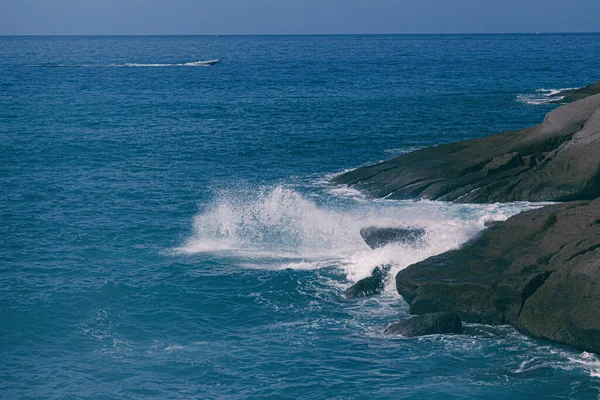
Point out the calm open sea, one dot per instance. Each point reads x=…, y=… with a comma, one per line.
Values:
x=168, y=231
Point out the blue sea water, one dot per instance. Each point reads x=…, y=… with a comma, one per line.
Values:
x=169, y=231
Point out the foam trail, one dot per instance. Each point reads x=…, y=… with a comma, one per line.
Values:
x=189, y=64
x=279, y=228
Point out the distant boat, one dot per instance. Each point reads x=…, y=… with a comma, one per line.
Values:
x=199, y=63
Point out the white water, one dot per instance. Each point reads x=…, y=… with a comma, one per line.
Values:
x=280, y=228
x=541, y=96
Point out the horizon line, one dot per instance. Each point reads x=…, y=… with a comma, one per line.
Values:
x=307, y=34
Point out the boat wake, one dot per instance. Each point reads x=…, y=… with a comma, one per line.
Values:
x=189, y=64
x=134, y=65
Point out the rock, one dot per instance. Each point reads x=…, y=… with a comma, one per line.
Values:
x=378, y=237
x=568, y=96
x=538, y=271
x=492, y=223
x=371, y=285
x=427, y=324
x=557, y=160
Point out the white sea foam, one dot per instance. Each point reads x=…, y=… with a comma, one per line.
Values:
x=588, y=361
x=548, y=357
x=403, y=150
x=324, y=183
x=279, y=228
x=541, y=96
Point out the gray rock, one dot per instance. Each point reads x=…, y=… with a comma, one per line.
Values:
x=557, y=160
x=538, y=271
x=377, y=237
x=427, y=324
x=371, y=285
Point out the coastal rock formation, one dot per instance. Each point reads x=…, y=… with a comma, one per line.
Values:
x=571, y=95
x=377, y=237
x=371, y=285
x=538, y=271
x=557, y=160
x=427, y=324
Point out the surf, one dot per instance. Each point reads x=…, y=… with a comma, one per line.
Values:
x=281, y=227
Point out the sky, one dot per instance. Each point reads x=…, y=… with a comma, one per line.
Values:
x=165, y=17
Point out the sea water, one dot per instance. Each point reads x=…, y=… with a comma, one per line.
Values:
x=169, y=231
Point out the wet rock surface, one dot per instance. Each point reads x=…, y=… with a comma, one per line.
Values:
x=377, y=237
x=427, y=324
x=371, y=285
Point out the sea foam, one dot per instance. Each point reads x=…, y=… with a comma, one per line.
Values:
x=541, y=96
x=279, y=228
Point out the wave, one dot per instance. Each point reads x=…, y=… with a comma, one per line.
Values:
x=541, y=96
x=281, y=228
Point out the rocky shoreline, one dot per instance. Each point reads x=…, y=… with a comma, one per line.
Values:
x=539, y=270
x=554, y=161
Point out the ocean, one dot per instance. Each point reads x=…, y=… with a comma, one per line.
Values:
x=170, y=231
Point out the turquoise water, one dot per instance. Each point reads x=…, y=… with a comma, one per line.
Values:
x=169, y=231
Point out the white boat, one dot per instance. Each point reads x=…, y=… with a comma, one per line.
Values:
x=199, y=63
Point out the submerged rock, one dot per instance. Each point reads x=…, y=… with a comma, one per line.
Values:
x=555, y=161
x=538, y=271
x=371, y=285
x=427, y=324
x=377, y=237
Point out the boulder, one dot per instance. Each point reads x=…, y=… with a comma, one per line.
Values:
x=538, y=271
x=377, y=237
x=371, y=285
x=557, y=160
x=427, y=324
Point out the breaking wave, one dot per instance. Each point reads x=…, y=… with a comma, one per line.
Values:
x=281, y=228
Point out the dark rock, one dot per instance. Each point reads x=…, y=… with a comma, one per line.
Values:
x=371, y=285
x=427, y=324
x=378, y=237
x=538, y=271
x=491, y=224
x=568, y=96
x=557, y=160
